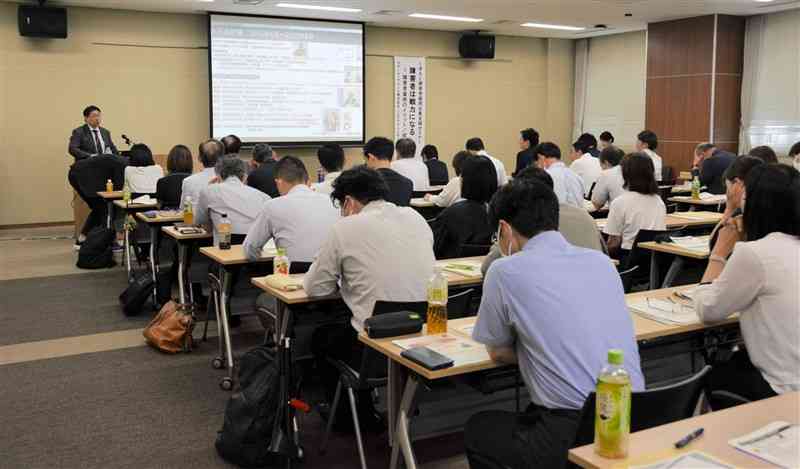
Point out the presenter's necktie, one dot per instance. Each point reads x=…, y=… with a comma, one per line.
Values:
x=98, y=148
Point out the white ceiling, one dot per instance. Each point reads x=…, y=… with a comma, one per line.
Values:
x=500, y=16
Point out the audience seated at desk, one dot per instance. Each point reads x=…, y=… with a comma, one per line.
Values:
x=764, y=153
x=709, y=165
x=476, y=147
x=210, y=152
x=262, y=170
x=466, y=221
x=232, y=144
x=584, y=164
x=378, y=153
x=452, y=191
x=647, y=142
x=640, y=208
x=528, y=140
x=408, y=165
x=378, y=251
x=567, y=185
x=331, y=158
x=560, y=342
x=610, y=183
x=179, y=167
x=735, y=176
x=437, y=170
x=142, y=173
x=574, y=224
x=606, y=140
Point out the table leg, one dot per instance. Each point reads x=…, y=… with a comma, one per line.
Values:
x=154, y=262
x=109, y=213
x=127, y=246
x=402, y=437
x=181, y=271
x=674, y=269
x=223, y=317
x=394, y=394
x=653, y=270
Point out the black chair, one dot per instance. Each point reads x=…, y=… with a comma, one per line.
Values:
x=650, y=408
x=667, y=175
x=473, y=250
x=458, y=304
x=719, y=400
x=641, y=258
x=627, y=278
x=591, y=191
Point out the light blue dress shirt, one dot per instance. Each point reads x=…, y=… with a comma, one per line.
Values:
x=567, y=185
x=562, y=307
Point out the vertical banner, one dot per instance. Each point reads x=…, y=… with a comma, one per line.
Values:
x=409, y=99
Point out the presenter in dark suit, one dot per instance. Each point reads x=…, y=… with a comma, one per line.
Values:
x=88, y=141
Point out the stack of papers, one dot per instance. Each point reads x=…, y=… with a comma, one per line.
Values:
x=712, y=197
x=145, y=200
x=461, y=351
x=778, y=443
x=465, y=268
x=284, y=282
x=665, y=312
x=697, y=244
x=693, y=460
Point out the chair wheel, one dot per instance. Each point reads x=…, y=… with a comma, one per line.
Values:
x=226, y=384
x=217, y=363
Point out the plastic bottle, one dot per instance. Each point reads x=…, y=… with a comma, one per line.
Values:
x=224, y=232
x=437, y=303
x=696, y=188
x=188, y=211
x=109, y=186
x=126, y=194
x=613, y=409
x=280, y=264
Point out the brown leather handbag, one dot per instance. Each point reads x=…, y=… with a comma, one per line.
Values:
x=171, y=330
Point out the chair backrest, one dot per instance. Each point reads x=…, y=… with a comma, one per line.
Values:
x=383, y=307
x=299, y=267
x=591, y=190
x=627, y=277
x=640, y=257
x=471, y=250
x=667, y=175
x=650, y=408
x=458, y=304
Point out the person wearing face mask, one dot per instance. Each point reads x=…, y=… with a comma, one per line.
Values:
x=540, y=310
x=377, y=251
x=734, y=178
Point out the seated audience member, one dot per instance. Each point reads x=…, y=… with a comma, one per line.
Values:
x=735, y=176
x=606, y=140
x=452, y=191
x=647, y=142
x=142, y=173
x=209, y=151
x=710, y=164
x=794, y=153
x=528, y=140
x=378, y=154
x=759, y=281
x=331, y=157
x=476, y=147
x=299, y=221
x=378, y=251
x=437, y=170
x=559, y=341
x=179, y=167
x=575, y=224
x=232, y=144
x=262, y=170
x=567, y=185
x=230, y=196
x=640, y=208
x=408, y=165
x=590, y=143
x=584, y=164
x=610, y=184
x=466, y=221
x=764, y=153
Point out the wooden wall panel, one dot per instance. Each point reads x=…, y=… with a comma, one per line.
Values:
x=681, y=47
x=678, y=155
x=727, y=108
x=678, y=108
x=730, y=44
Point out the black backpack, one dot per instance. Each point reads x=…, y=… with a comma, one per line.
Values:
x=95, y=252
x=140, y=288
x=251, y=415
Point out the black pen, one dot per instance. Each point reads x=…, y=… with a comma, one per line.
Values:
x=688, y=438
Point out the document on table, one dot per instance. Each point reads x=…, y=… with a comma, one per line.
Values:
x=778, y=443
x=664, y=311
x=693, y=460
x=697, y=215
x=461, y=351
x=144, y=200
x=465, y=268
x=698, y=244
x=712, y=197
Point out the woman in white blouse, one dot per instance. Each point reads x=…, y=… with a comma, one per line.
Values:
x=451, y=193
x=142, y=173
x=760, y=281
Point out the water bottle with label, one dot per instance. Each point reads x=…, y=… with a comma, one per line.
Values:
x=224, y=232
x=437, y=303
x=613, y=409
x=188, y=211
x=126, y=193
x=696, y=188
x=280, y=264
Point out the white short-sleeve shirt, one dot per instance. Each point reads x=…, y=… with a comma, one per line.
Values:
x=632, y=212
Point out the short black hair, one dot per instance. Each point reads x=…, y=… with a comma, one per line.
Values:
x=262, y=152
x=765, y=153
x=380, y=147
x=741, y=167
x=459, y=159
x=406, y=148
x=529, y=206
x=649, y=137
x=331, y=157
x=90, y=109
x=210, y=151
x=606, y=136
x=534, y=173
x=474, y=144
x=638, y=173
x=430, y=152
x=530, y=135
x=773, y=201
x=292, y=170
x=478, y=179
x=361, y=183
x=140, y=155
x=611, y=155
x=232, y=144
x=795, y=150
x=585, y=143
x=548, y=150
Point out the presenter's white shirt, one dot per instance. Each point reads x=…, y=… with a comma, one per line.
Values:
x=632, y=212
x=414, y=169
x=143, y=179
x=502, y=178
x=657, y=164
x=588, y=168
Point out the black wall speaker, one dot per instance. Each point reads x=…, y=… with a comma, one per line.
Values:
x=473, y=46
x=42, y=21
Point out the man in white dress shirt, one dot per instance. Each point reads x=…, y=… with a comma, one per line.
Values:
x=647, y=142
x=610, y=184
x=409, y=165
x=567, y=185
x=210, y=151
x=331, y=157
x=476, y=147
x=584, y=164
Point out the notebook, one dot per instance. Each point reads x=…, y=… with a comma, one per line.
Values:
x=697, y=244
x=778, y=443
x=465, y=268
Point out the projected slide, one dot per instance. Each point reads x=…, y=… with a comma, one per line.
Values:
x=286, y=81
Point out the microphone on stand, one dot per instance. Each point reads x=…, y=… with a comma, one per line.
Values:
x=127, y=139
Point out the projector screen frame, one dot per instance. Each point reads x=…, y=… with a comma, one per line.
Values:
x=288, y=144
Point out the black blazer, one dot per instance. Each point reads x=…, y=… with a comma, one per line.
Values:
x=263, y=178
x=81, y=143
x=168, y=190
x=91, y=174
x=400, y=187
x=464, y=222
x=437, y=172
x=525, y=158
